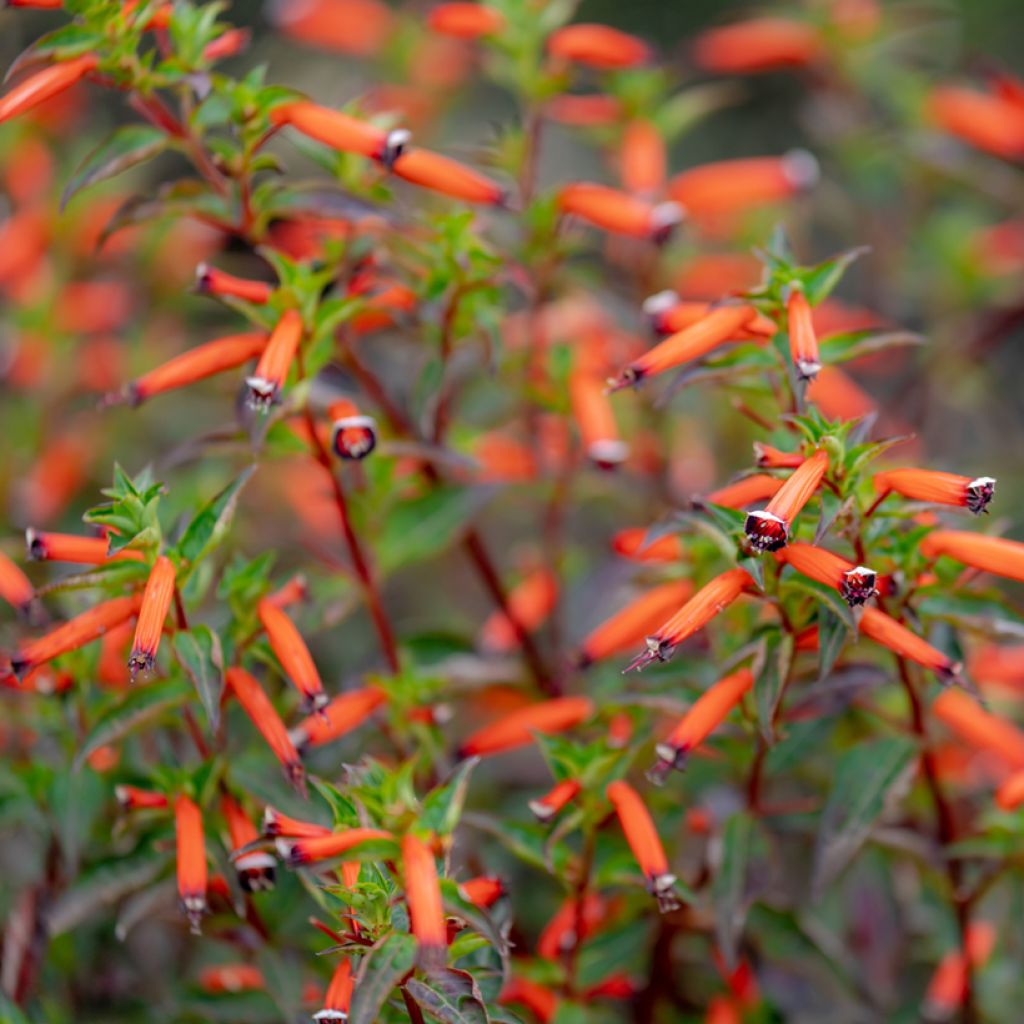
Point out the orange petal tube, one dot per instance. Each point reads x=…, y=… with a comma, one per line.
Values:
x=638, y=828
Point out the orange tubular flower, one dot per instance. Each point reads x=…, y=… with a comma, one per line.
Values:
x=596, y=420
x=619, y=212
x=277, y=824
x=630, y=543
x=423, y=895
x=712, y=598
x=264, y=716
x=517, y=728
x=628, y=627
x=465, y=20
x=768, y=529
x=885, y=630
x=449, y=177
x=643, y=159
x=993, y=665
x=292, y=592
x=696, y=725
x=571, y=925
x=1010, y=794
x=156, y=603
x=339, y=995
x=353, y=436
x=255, y=868
x=747, y=490
x=803, y=339
x=758, y=44
x=65, y=547
x=276, y=359
x=530, y=602
x=228, y=44
x=341, y=131
x=343, y=714
x=547, y=806
x=838, y=396
x=668, y=314
x=948, y=985
x=211, y=281
x=15, y=587
x=638, y=828
x=188, y=821
x=540, y=1000
x=293, y=654
x=75, y=633
x=996, y=555
x=731, y=186
x=694, y=342
x=939, y=488
x=768, y=457
x=227, y=353
x=980, y=728
x=482, y=892
x=45, y=84
x=112, y=668
x=131, y=798
x=989, y=122
x=597, y=46
x=225, y=978
x=311, y=849
x=585, y=111
x=855, y=583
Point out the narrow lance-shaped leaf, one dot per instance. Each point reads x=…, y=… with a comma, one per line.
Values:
x=442, y=807
x=729, y=888
x=127, y=147
x=453, y=997
x=212, y=519
x=379, y=972
x=199, y=653
x=774, y=661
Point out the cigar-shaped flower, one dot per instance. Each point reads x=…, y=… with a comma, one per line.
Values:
x=423, y=896
x=1010, y=794
x=353, y=435
x=340, y=131
x=156, y=603
x=940, y=488
x=530, y=602
x=638, y=828
x=731, y=186
x=275, y=361
x=264, y=716
x=450, y=178
x=597, y=46
x=803, y=339
x=589, y=110
x=313, y=849
x=199, y=363
x=465, y=20
x=517, y=728
x=980, y=728
x=191, y=847
x=292, y=592
x=75, y=633
x=989, y=122
x=643, y=159
x=483, y=891
x=709, y=601
x=1000, y=666
x=694, y=342
x=338, y=998
x=546, y=807
x=571, y=925
x=947, y=988
x=132, y=798
x=45, y=84
x=632, y=543
x=855, y=583
x=619, y=212
x=748, y=490
x=540, y=1000
x=758, y=44
x=706, y=714
x=668, y=314
x=768, y=529
x=620, y=731
x=768, y=457
x=838, y=396
x=66, y=547
x=15, y=587
x=344, y=713
x=112, y=667
x=227, y=44
x=211, y=281
x=628, y=627
x=276, y=823
x=885, y=630
x=293, y=654
x=232, y=978
x=596, y=420
x=255, y=867
x=996, y=555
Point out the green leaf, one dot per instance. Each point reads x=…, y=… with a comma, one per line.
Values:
x=212, y=520
x=199, y=653
x=452, y=997
x=379, y=972
x=141, y=705
x=841, y=348
x=728, y=889
x=127, y=147
x=774, y=661
x=442, y=807
x=867, y=777
x=833, y=633
x=818, y=281
x=823, y=594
